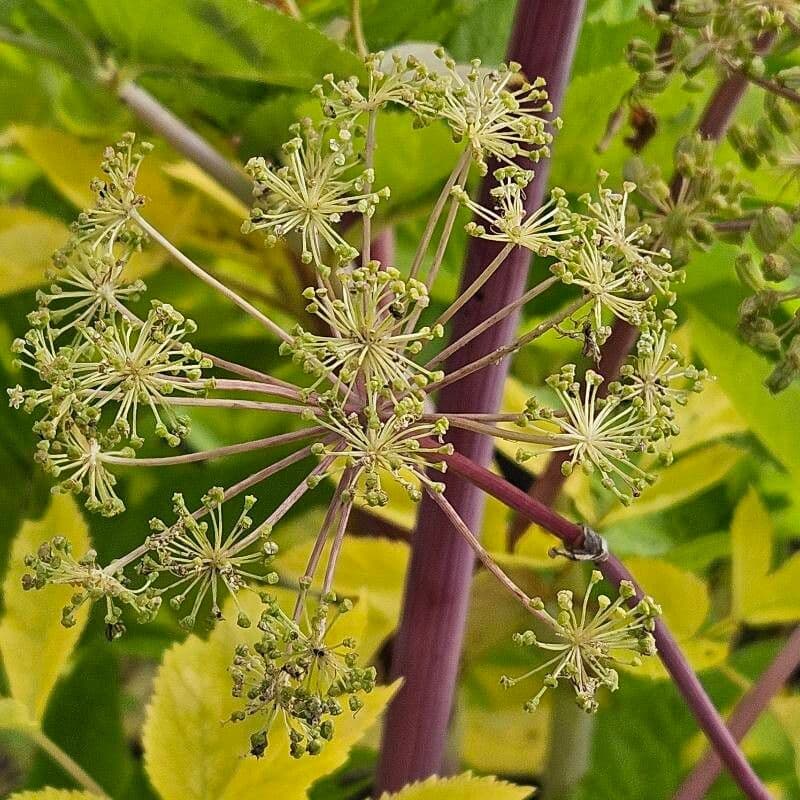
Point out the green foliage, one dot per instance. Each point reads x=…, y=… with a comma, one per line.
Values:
x=713, y=540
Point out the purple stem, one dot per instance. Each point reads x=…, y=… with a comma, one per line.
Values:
x=668, y=650
x=428, y=643
x=713, y=125
x=744, y=716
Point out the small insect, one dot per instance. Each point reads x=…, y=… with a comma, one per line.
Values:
x=590, y=347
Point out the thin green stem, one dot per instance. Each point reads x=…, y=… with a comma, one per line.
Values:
x=475, y=286
x=71, y=767
x=433, y=219
x=358, y=29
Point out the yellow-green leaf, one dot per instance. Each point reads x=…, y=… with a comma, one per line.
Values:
x=741, y=374
x=14, y=715
x=189, y=173
x=691, y=475
x=170, y=212
x=461, y=787
x=685, y=601
x=760, y=597
x=53, y=794
x=28, y=239
x=34, y=645
x=787, y=710
x=371, y=567
x=192, y=754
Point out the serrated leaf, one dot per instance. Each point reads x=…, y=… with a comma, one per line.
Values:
x=690, y=475
x=53, y=794
x=191, y=754
x=34, y=645
x=461, y=787
x=741, y=374
x=759, y=596
x=28, y=239
x=686, y=604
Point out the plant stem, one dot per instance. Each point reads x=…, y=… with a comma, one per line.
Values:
x=185, y=140
x=702, y=777
x=428, y=642
x=713, y=125
x=613, y=570
x=72, y=768
x=358, y=29
x=217, y=452
x=199, y=272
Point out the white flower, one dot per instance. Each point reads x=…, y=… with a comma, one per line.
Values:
x=588, y=648
x=495, y=112
x=546, y=232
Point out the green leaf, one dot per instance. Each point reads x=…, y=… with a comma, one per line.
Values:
x=91, y=693
x=688, y=476
x=229, y=38
x=34, y=645
x=190, y=754
x=741, y=373
x=686, y=604
x=461, y=787
x=14, y=716
x=759, y=596
x=53, y=794
x=28, y=239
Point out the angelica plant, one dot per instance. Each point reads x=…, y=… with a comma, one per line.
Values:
x=365, y=412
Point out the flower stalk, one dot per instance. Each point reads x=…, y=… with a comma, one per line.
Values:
x=428, y=643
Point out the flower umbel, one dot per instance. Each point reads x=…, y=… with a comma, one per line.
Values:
x=597, y=433
x=297, y=675
x=202, y=559
x=496, y=112
x=588, y=648
x=54, y=563
x=319, y=183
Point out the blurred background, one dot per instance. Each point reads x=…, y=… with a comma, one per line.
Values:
x=239, y=73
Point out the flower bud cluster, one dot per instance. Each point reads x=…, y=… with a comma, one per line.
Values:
x=54, y=564
x=300, y=676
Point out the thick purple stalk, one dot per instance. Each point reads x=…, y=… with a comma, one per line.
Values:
x=669, y=652
x=744, y=716
x=428, y=644
x=713, y=125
